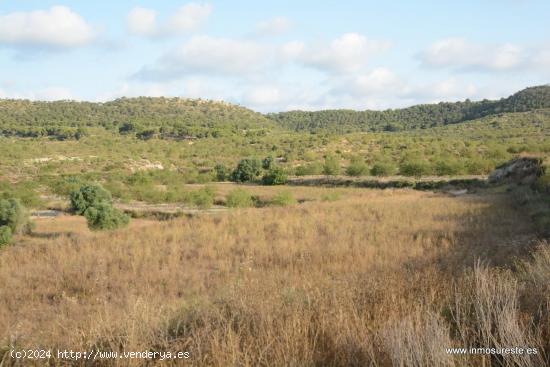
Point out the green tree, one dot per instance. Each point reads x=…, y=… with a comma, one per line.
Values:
x=248, y=169
x=87, y=196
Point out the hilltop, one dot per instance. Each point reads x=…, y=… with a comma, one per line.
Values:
x=415, y=117
x=171, y=117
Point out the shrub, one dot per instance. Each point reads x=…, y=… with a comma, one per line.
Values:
x=448, y=168
x=268, y=162
x=239, y=198
x=13, y=216
x=66, y=185
x=315, y=168
x=275, y=176
x=88, y=196
x=248, y=169
x=103, y=216
x=479, y=166
x=222, y=173
x=5, y=235
x=357, y=167
x=414, y=168
x=331, y=166
x=382, y=169
x=283, y=198
x=203, y=198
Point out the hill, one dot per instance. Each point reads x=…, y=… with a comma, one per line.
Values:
x=415, y=117
x=170, y=117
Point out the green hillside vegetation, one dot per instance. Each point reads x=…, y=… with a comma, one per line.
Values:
x=415, y=117
x=117, y=151
x=144, y=117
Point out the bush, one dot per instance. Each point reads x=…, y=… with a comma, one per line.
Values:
x=479, y=166
x=239, y=198
x=13, y=216
x=283, y=198
x=222, y=173
x=248, y=169
x=275, y=176
x=414, y=168
x=5, y=235
x=382, y=169
x=203, y=198
x=448, y=168
x=315, y=168
x=357, y=167
x=268, y=163
x=103, y=216
x=88, y=196
x=331, y=166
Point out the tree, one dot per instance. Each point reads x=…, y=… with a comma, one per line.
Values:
x=248, y=169
x=275, y=176
x=13, y=219
x=103, y=216
x=87, y=196
x=331, y=166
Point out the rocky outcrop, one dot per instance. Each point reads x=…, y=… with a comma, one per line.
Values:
x=522, y=171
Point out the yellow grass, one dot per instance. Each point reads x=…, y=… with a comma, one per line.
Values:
x=376, y=278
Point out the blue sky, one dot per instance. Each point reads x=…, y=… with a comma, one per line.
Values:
x=274, y=55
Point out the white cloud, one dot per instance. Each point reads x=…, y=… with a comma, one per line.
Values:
x=347, y=53
x=263, y=96
x=204, y=54
x=143, y=21
x=458, y=53
x=58, y=27
x=380, y=81
x=274, y=26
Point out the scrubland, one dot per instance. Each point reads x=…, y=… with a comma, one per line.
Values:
x=372, y=277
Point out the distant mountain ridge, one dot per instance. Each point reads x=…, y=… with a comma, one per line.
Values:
x=415, y=117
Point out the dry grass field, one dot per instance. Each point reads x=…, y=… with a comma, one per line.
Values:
x=377, y=278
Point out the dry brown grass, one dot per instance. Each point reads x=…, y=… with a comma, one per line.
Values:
x=377, y=278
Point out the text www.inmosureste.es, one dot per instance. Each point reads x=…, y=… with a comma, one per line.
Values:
x=493, y=351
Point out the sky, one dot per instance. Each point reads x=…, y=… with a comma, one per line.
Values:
x=274, y=55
